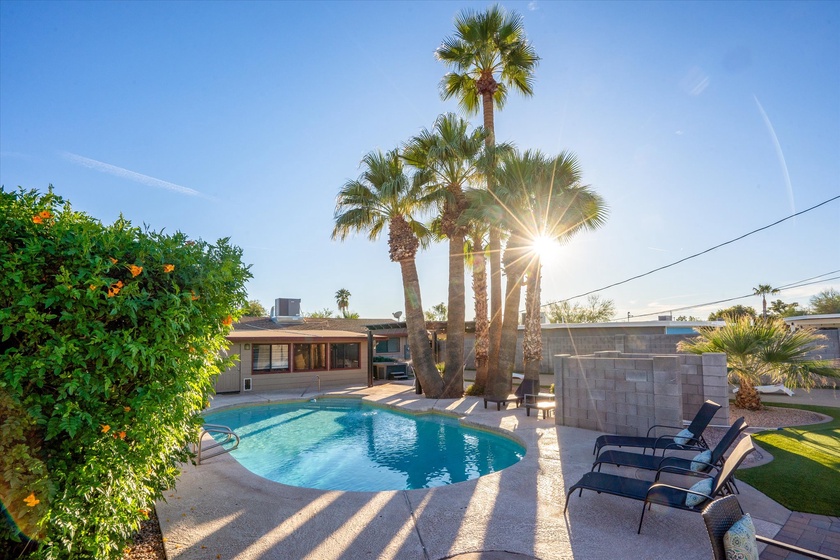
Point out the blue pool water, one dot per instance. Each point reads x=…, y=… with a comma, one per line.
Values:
x=336, y=444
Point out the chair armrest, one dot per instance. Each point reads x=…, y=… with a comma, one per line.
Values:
x=680, y=446
x=678, y=428
x=794, y=548
x=663, y=465
x=681, y=471
x=658, y=486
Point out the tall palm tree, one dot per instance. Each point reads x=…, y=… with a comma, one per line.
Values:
x=542, y=199
x=342, y=299
x=384, y=195
x=762, y=290
x=449, y=156
x=489, y=54
x=763, y=348
x=476, y=258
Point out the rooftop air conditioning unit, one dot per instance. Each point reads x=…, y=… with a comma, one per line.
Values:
x=287, y=307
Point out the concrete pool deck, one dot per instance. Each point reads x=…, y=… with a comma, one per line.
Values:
x=221, y=510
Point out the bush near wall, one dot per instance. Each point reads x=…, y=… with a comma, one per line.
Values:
x=111, y=339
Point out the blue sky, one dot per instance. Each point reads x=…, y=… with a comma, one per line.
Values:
x=697, y=122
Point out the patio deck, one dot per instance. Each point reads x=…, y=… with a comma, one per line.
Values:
x=221, y=510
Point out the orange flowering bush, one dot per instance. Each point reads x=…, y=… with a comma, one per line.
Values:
x=90, y=348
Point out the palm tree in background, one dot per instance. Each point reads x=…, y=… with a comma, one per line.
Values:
x=762, y=290
x=489, y=54
x=763, y=348
x=384, y=195
x=449, y=157
x=342, y=299
x=476, y=259
x=542, y=199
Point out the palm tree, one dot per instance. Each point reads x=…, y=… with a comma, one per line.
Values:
x=449, y=156
x=489, y=54
x=762, y=348
x=384, y=195
x=543, y=200
x=342, y=299
x=762, y=290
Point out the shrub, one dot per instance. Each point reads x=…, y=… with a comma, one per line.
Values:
x=111, y=338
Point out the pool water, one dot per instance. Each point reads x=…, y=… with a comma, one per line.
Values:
x=336, y=444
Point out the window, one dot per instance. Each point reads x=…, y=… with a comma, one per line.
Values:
x=344, y=355
x=390, y=346
x=270, y=357
x=310, y=357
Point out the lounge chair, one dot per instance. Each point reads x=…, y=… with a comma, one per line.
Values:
x=527, y=386
x=777, y=388
x=696, y=428
x=722, y=513
x=665, y=494
x=656, y=462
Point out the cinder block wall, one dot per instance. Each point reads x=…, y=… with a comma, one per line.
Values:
x=626, y=394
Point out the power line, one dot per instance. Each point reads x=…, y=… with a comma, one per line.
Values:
x=696, y=254
x=797, y=284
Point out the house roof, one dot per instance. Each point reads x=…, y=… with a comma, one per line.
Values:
x=290, y=335
x=308, y=324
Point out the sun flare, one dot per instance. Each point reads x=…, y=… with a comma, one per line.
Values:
x=543, y=246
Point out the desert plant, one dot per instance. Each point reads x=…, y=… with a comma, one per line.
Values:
x=111, y=338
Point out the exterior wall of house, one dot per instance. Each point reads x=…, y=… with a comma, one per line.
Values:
x=583, y=341
x=627, y=393
x=294, y=381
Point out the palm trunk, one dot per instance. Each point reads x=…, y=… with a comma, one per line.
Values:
x=495, y=330
x=418, y=339
x=456, y=315
x=480, y=294
x=747, y=396
x=532, y=341
x=515, y=271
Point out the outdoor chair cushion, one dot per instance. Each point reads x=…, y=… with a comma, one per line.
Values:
x=704, y=487
x=739, y=541
x=683, y=437
x=701, y=460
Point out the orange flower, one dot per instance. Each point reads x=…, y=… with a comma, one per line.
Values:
x=105, y=428
x=127, y=408
x=145, y=512
x=113, y=260
x=92, y=287
x=122, y=435
x=31, y=500
x=45, y=214
x=134, y=269
x=227, y=321
x=113, y=291
x=194, y=297
x=37, y=219
x=168, y=267
x=119, y=284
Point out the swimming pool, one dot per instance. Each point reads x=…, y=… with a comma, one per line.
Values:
x=343, y=444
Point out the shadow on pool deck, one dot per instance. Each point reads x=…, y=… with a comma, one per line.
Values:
x=220, y=508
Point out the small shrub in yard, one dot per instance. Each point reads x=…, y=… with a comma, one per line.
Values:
x=111, y=338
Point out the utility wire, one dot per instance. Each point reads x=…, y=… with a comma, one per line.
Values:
x=797, y=284
x=696, y=254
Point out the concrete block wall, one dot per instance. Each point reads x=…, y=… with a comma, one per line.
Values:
x=626, y=394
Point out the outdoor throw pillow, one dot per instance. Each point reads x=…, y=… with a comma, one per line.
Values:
x=683, y=437
x=699, y=463
x=739, y=541
x=704, y=486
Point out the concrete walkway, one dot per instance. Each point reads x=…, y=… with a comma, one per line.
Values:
x=221, y=510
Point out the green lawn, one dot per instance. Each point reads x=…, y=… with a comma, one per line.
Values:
x=804, y=474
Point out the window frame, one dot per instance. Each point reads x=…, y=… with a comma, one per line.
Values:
x=271, y=359
x=332, y=364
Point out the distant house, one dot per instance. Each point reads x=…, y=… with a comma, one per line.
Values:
x=291, y=353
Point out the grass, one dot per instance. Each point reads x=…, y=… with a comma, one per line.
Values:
x=804, y=474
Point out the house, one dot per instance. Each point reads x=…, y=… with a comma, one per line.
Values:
x=296, y=353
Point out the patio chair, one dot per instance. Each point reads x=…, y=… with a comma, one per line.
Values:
x=722, y=513
x=669, y=441
x=666, y=494
x=527, y=386
x=656, y=462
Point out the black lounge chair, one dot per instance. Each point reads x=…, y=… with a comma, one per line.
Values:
x=526, y=387
x=656, y=462
x=697, y=426
x=660, y=493
x=722, y=513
